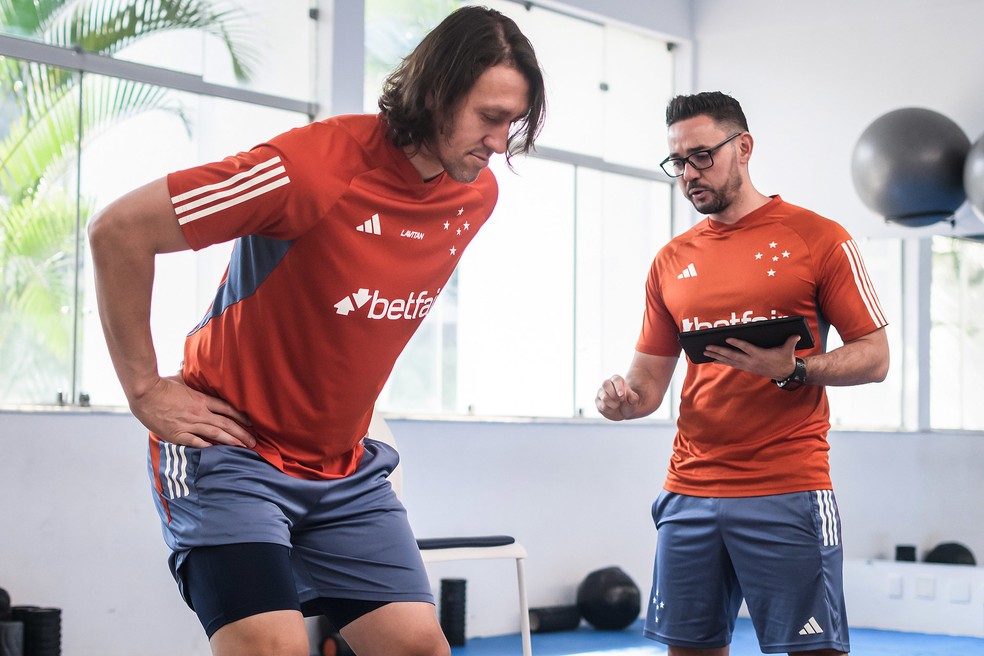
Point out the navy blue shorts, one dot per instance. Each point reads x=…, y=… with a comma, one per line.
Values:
x=342, y=539
x=781, y=553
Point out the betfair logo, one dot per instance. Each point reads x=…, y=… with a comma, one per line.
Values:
x=416, y=306
x=747, y=316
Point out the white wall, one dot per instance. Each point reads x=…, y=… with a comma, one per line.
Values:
x=78, y=530
x=811, y=76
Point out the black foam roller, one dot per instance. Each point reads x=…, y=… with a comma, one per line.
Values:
x=554, y=618
x=453, y=611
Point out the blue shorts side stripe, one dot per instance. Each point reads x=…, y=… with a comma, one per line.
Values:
x=174, y=478
x=829, y=525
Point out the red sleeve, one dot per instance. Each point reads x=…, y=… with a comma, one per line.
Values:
x=659, y=330
x=845, y=294
x=277, y=189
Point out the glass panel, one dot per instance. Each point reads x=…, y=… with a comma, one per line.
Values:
x=621, y=223
x=639, y=82
x=39, y=218
x=260, y=45
x=572, y=75
x=24, y=20
x=957, y=334
x=465, y=356
x=393, y=28
x=274, y=41
x=516, y=302
x=144, y=142
x=506, y=315
x=879, y=405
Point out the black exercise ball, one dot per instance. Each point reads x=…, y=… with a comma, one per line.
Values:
x=973, y=176
x=608, y=599
x=908, y=166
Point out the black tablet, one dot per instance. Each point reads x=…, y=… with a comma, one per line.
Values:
x=766, y=334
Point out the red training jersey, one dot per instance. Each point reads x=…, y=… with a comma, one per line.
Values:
x=341, y=250
x=738, y=434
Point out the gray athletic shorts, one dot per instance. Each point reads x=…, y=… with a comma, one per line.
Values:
x=782, y=553
x=348, y=538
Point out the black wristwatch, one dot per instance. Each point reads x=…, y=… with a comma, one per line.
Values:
x=794, y=380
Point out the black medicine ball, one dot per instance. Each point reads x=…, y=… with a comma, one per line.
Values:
x=952, y=553
x=608, y=599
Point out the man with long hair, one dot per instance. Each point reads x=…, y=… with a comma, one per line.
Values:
x=273, y=502
x=747, y=509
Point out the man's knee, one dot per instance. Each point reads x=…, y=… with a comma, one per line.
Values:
x=398, y=629
x=277, y=633
x=429, y=644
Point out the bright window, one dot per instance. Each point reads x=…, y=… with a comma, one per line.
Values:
x=251, y=44
x=73, y=140
x=957, y=334
x=548, y=300
x=876, y=406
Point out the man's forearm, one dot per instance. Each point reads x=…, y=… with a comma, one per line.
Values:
x=864, y=360
x=124, y=282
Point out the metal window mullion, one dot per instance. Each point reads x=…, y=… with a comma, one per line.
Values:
x=76, y=305
x=87, y=62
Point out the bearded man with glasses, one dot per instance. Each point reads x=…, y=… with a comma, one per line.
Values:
x=747, y=511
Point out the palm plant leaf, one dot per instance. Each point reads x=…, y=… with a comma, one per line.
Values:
x=27, y=17
x=108, y=26
x=37, y=267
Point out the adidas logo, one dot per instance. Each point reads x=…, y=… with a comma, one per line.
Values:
x=811, y=627
x=689, y=272
x=371, y=226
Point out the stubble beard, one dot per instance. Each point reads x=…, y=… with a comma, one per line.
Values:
x=460, y=169
x=717, y=201
x=461, y=174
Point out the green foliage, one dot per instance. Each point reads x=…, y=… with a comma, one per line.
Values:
x=47, y=115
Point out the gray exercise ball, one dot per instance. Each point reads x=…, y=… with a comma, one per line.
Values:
x=973, y=176
x=908, y=166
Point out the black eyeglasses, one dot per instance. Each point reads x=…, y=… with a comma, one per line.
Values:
x=674, y=166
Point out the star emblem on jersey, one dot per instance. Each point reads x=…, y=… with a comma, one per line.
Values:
x=456, y=229
x=773, y=256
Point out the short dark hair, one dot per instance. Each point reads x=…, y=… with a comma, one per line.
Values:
x=419, y=96
x=719, y=106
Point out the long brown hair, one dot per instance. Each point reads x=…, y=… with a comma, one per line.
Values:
x=419, y=97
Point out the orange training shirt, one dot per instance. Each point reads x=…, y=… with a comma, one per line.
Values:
x=341, y=251
x=738, y=434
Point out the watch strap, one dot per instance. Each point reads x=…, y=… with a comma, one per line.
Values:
x=794, y=380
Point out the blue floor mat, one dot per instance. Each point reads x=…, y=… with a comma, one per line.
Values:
x=588, y=642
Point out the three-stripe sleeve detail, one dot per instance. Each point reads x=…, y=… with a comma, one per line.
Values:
x=863, y=282
x=209, y=199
